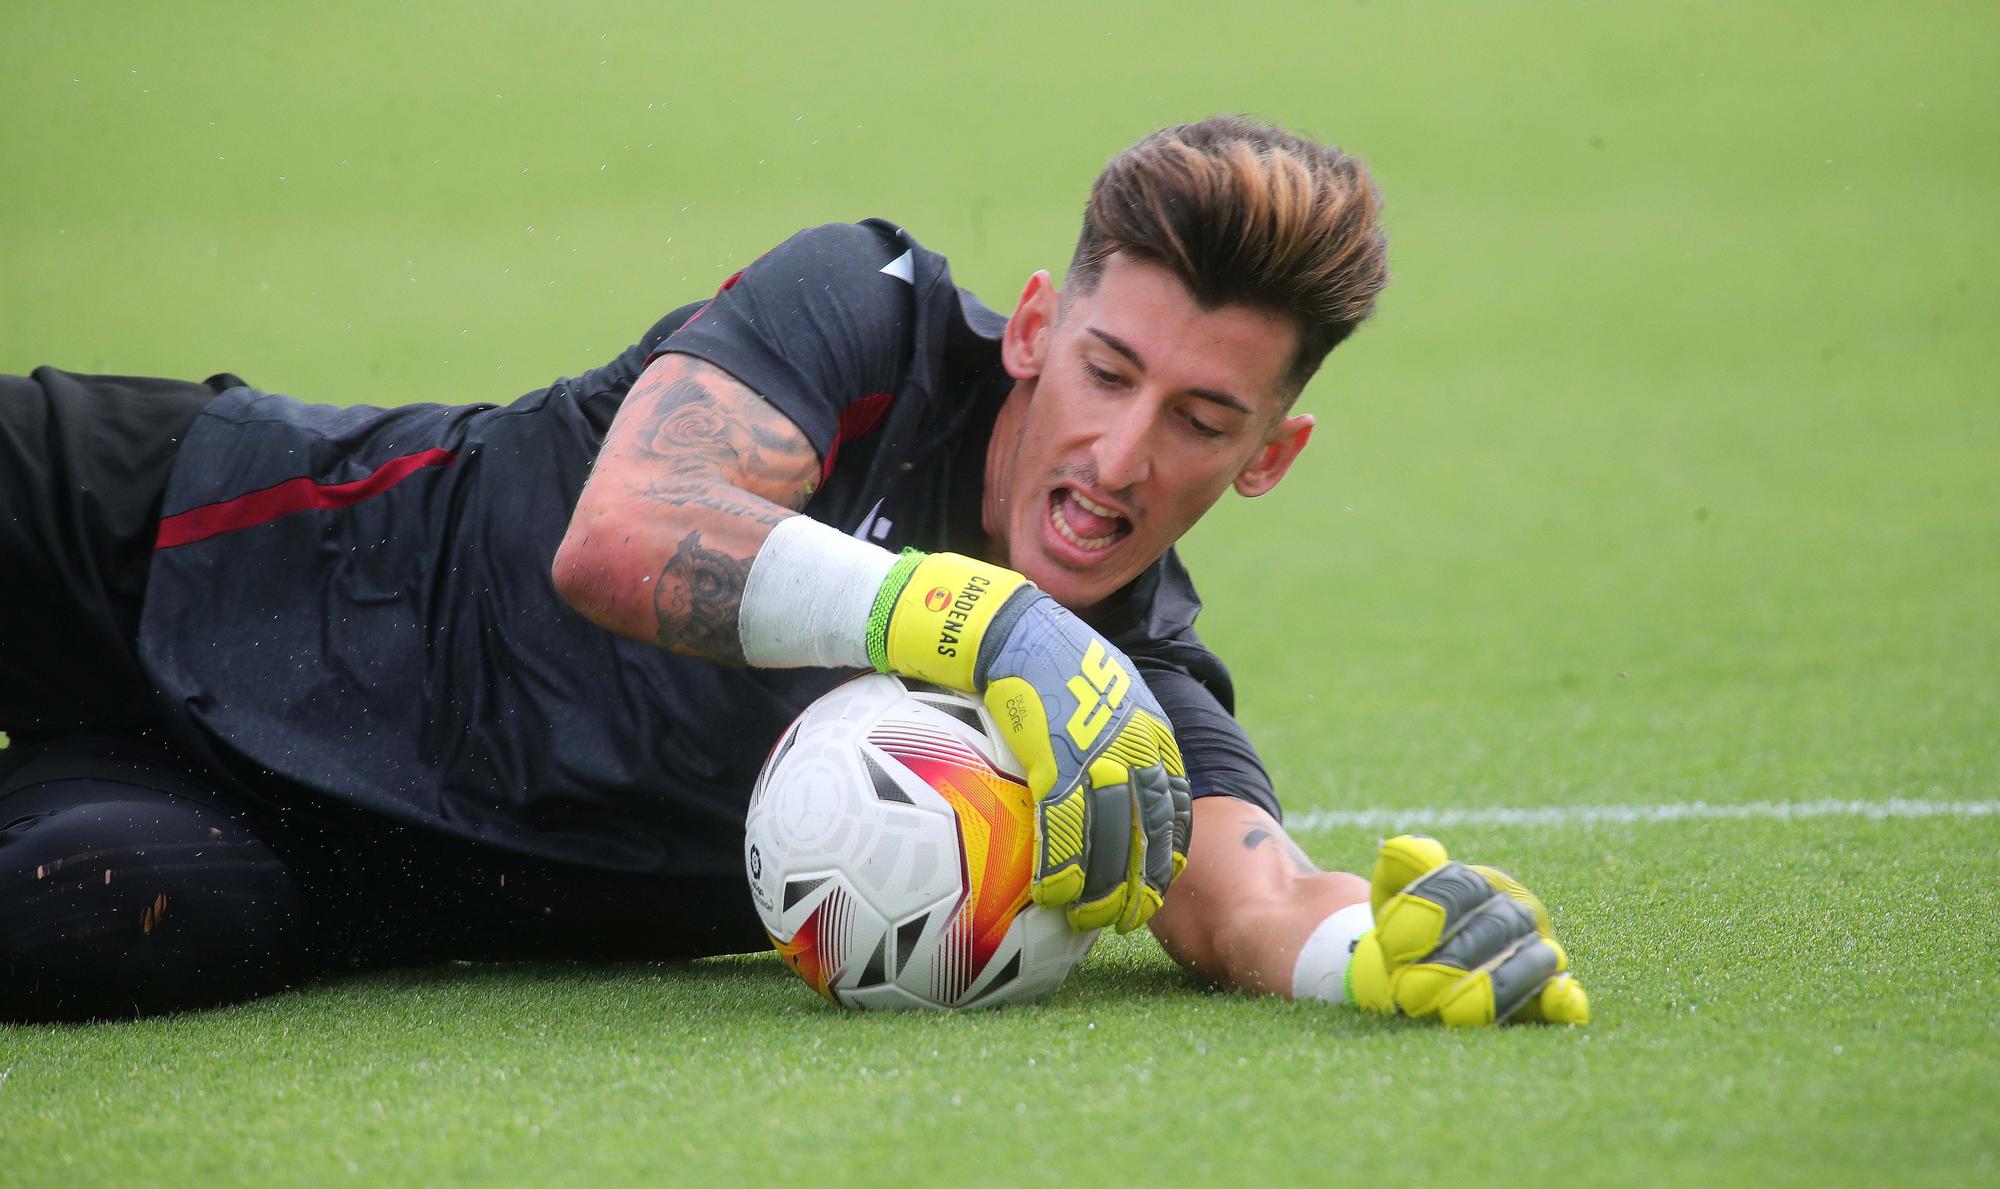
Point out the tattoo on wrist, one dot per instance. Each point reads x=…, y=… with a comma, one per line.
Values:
x=696, y=599
x=1256, y=836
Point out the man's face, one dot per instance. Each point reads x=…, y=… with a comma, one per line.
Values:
x=1131, y=414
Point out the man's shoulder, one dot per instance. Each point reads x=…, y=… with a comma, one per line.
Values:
x=880, y=246
x=853, y=251
x=873, y=243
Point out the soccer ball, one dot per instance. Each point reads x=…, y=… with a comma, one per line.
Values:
x=889, y=844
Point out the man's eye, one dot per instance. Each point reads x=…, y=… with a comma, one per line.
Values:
x=1098, y=374
x=1201, y=427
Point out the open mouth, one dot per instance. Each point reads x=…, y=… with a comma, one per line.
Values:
x=1084, y=523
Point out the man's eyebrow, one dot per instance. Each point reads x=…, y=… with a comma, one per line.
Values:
x=1119, y=345
x=1209, y=394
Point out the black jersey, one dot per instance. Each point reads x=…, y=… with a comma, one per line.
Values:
x=358, y=599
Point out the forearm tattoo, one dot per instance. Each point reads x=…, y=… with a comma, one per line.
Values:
x=1257, y=836
x=719, y=465
x=696, y=598
x=676, y=497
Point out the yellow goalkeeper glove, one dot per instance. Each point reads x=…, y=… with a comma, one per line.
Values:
x=1113, y=811
x=1466, y=944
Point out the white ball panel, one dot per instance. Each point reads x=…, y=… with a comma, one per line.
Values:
x=893, y=853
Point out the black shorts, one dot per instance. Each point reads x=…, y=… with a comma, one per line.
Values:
x=130, y=881
x=83, y=466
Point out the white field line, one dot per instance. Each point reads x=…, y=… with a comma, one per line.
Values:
x=1623, y=815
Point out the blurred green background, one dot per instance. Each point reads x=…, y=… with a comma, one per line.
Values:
x=1670, y=468
x=1669, y=471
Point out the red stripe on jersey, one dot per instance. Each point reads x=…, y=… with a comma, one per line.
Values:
x=721, y=289
x=293, y=495
x=725, y=287
x=857, y=420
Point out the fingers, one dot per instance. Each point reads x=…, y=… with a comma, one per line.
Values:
x=1062, y=816
x=1413, y=922
x=1513, y=887
x=1469, y=945
x=1060, y=823
x=1481, y=966
x=1500, y=986
x=1017, y=710
x=1113, y=807
x=1125, y=828
x=1130, y=857
x=1114, y=853
x=1368, y=975
x=1560, y=1001
x=1135, y=829
x=1183, y=797
x=1404, y=858
x=1157, y=810
x=1151, y=858
x=1146, y=748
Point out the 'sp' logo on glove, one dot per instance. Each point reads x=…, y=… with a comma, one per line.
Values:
x=1114, y=809
x=1099, y=690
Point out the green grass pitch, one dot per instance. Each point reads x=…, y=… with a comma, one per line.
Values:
x=1669, y=476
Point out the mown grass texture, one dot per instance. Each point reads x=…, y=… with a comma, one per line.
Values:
x=1670, y=472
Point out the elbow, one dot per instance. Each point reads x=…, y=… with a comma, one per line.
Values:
x=570, y=571
x=585, y=567
x=1190, y=950
x=1185, y=926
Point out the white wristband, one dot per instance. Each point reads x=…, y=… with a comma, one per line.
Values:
x=807, y=599
x=1321, y=972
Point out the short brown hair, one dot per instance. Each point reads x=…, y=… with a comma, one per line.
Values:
x=1245, y=213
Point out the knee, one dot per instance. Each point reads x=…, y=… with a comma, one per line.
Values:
x=116, y=900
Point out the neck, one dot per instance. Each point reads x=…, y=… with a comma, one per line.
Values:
x=1002, y=448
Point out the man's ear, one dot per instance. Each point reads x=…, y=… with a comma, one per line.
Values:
x=1025, y=345
x=1275, y=456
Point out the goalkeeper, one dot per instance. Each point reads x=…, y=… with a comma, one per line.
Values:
x=351, y=698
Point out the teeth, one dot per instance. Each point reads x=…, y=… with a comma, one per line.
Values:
x=1090, y=506
x=1069, y=534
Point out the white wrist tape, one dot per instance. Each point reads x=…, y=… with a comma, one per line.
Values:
x=1321, y=972
x=807, y=599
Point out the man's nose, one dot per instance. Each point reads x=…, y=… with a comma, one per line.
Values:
x=1123, y=450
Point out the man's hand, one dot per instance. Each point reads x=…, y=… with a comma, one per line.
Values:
x=1113, y=811
x=1466, y=944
